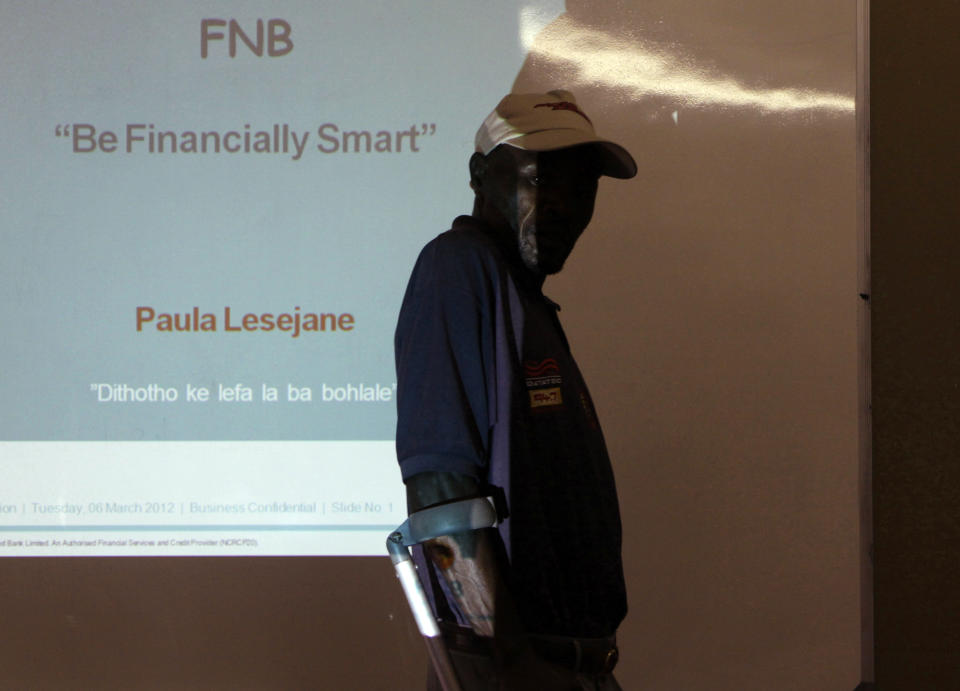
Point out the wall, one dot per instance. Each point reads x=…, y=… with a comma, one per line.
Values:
x=916, y=372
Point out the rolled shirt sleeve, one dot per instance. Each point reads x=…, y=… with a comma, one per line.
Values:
x=444, y=359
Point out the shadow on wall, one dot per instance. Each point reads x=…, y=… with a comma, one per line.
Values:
x=712, y=305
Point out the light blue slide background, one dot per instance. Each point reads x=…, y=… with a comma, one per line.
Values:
x=85, y=238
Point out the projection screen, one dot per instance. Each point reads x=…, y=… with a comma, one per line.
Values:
x=208, y=217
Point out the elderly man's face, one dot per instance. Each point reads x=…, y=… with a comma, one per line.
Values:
x=545, y=198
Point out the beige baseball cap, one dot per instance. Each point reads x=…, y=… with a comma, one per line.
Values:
x=544, y=122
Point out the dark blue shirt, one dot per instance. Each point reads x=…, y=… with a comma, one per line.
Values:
x=487, y=387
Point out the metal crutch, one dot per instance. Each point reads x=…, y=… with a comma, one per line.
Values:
x=437, y=521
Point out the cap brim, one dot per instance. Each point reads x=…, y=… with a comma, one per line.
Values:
x=617, y=161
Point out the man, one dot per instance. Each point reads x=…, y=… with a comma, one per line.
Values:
x=490, y=401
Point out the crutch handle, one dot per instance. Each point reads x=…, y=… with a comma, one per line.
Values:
x=446, y=519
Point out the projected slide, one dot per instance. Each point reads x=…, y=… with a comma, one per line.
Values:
x=208, y=214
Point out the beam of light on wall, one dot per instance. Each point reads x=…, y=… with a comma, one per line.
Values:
x=601, y=58
x=535, y=17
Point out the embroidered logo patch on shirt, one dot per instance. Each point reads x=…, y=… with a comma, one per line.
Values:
x=543, y=382
x=542, y=397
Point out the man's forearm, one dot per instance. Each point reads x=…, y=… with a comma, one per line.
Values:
x=468, y=565
x=469, y=562
x=473, y=569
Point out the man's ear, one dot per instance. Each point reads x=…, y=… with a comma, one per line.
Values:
x=478, y=169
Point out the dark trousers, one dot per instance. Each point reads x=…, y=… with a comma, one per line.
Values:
x=477, y=672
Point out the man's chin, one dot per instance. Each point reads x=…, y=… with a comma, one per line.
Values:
x=543, y=264
x=547, y=266
x=555, y=269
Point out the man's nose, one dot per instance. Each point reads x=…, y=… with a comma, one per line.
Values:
x=553, y=204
